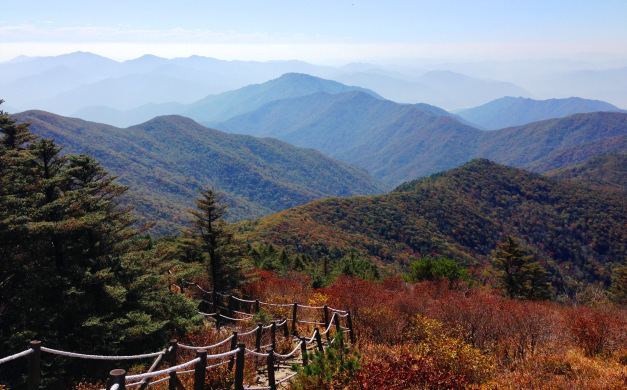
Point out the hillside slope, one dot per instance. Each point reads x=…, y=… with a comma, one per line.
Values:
x=165, y=161
x=607, y=171
x=462, y=213
x=515, y=111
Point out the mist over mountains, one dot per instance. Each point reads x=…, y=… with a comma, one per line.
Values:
x=94, y=87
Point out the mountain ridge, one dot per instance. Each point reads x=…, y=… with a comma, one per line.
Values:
x=462, y=213
x=511, y=111
x=168, y=159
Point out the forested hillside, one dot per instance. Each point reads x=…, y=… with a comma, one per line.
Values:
x=168, y=159
x=607, y=171
x=463, y=213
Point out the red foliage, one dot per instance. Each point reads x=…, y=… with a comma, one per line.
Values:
x=597, y=330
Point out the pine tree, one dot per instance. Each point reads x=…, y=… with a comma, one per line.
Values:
x=73, y=270
x=211, y=234
x=521, y=276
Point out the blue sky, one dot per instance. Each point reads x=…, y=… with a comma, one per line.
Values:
x=330, y=31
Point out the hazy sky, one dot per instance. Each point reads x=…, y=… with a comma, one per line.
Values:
x=319, y=31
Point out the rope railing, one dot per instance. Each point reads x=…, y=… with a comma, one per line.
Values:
x=17, y=355
x=191, y=347
x=100, y=357
x=233, y=357
x=161, y=372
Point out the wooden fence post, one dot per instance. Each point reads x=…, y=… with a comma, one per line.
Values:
x=34, y=365
x=286, y=331
x=303, y=351
x=199, y=370
x=319, y=340
x=339, y=333
x=270, y=365
x=233, y=346
x=349, y=321
x=172, y=356
x=117, y=377
x=256, y=305
x=326, y=322
x=273, y=334
x=231, y=305
x=218, y=318
x=258, y=334
x=239, y=367
x=294, y=324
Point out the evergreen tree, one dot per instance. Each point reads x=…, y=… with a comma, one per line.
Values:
x=521, y=276
x=211, y=234
x=74, y=273
x=430, y=268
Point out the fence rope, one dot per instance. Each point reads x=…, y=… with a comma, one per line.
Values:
x=164, y=371
x=311, y=307
x=100, y=357
x=234, y=319
x=276, y=304
x=17, y=355
x=153, y=382
x=243, y=300
x=192, y=347
x=289, y=355
x=286, y=378
x=223, y=354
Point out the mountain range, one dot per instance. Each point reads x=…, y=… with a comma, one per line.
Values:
x=577, y=231
x=167, y=160
x=515, y=111
x=398, y=142
x=81, y=83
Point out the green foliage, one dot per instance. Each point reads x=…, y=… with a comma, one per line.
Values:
x=461, y=214
x=608, y=171
x=211, y=237
x=436, y=268
x=521, y=276
x=167, y=160
x=74, y=271
x=333, y=368
x=353, y=265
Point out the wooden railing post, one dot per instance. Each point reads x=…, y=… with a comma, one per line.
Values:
x=273, y=334
x=199, y=369
x=256, y=305
x=239, y=367
x=117, y=377
x=258, y=334
x=338, y=332
x=218, y=318
x=231, y=304
x=319, y=341
x=233, y=346
x=172, y=357
x=286, y=331
x=326, y=322
x=34, y=365
x=294, y=319
x=349, y=322
x=303, y=351
x=270, y=365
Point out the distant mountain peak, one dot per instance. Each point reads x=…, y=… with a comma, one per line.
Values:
x=511, y=111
